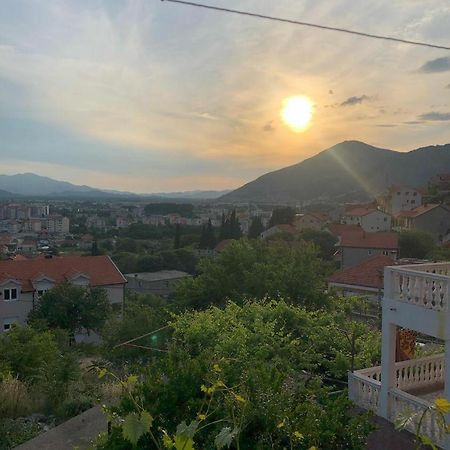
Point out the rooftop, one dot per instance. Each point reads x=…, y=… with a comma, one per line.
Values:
x=100, y=270
x=362, y=239
x=419, y=210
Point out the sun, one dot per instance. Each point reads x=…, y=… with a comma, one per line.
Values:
x=297, y=112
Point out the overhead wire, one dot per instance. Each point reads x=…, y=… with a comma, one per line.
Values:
x=309, y=24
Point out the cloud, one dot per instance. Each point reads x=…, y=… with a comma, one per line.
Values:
x=436, y=65
x=386, y=125
x=413, y=122
x=331, y=92
x=269, y=127
x=434, y=115
x=352, y=101
x=448, y=86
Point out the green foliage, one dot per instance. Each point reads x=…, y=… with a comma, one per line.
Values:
x=14, y=432
x=26, y=351
x=230, y=227
x=282, y=216
x=73, y=308
x=256, y=269
x=324, y=240
x=208, y=237
x=256, y=228
x=142, y=315
x=260, y=365
x=415, y=244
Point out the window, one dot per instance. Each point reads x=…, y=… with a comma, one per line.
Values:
x=7, y=324
x=385, y=219
x=369, y=252
x=415, y=194
x=385, y=252
x=10, y=294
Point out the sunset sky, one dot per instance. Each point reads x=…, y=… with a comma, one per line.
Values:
x=148, y=96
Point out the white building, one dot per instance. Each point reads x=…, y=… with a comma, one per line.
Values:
x=369, y=219
x=400, y=198
x=416, y=297
x=23, y=281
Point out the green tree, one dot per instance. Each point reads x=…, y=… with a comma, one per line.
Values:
x=256, y=228
x=252, y=369
x=73, y=308
x=208, y=237
x=177, y=238
x=415, y=244
x=257, y=269
x=324, y=240
x=282, y=216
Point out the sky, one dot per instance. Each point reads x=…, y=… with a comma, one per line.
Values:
x=150, y=96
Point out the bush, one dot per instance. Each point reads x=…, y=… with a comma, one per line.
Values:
x=15, y=400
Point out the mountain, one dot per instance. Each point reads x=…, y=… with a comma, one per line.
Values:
x=36, y=185
x=351, y=170
x=32, y=185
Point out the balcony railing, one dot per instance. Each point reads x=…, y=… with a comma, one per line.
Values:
x=423, y=285
x=425, y=374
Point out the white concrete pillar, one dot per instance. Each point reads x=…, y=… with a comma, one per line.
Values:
x=388, y=381
x=446, y=443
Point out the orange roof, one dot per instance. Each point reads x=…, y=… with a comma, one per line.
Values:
x=220, y=247
x=286, y=228
x=369, y=240
x=338, y=228
x=359, y=211
x=368, y=274
x=418, y=211
x=100, y=270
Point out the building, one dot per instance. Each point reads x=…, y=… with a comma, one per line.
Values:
x=365, y=278
x=431, y=218
x=355, y=247
x=311, y=221
x=162, y=283
x=368, y=218
x=416, y=299
x=400, y=198
x=278, y=229
x=23, y=281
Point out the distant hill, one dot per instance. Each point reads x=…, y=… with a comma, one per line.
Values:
x=351, y=170
x=32, y=185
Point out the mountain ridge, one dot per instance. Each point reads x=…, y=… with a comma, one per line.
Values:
x=350, y=170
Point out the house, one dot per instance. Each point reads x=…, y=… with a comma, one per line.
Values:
x=368, y=218
x=400, y=198
x=23, y=281
x=311, y=220
x=365, y=278
x=416, y=300
x=278, y=229
x=355, y=247
x=431, y=218
x=162, y=283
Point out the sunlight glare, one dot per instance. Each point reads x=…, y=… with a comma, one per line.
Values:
x=297, y=112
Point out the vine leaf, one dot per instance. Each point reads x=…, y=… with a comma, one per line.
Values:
x=134, y=427
x=225, y=437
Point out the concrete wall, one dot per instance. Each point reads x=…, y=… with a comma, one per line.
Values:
x=436, y=222
x=162, y=288
x=352, y=256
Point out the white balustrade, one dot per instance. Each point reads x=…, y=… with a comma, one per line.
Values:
x=363, y=391
x=424, y=285
x=420, y=373
x=406, y=406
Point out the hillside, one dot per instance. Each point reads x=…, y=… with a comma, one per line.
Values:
x=351, y=170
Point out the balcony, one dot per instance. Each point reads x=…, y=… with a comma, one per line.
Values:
x=417, y=383
x=416, y=297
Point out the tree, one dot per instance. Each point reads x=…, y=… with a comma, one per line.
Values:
x=324, y=240
x=73, y=308
x=415, y=244
x=282, y=216
x=256, y=228
x=230, y=227
x=257, y=269
x=249, y=373
x=177, y=238
x=95, y=251
x=207, y=238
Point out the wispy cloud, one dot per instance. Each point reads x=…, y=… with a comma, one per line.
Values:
x=436, y=65
x=352, y=101
x=434, y=115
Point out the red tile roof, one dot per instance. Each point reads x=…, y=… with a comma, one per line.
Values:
x=368, y=274
x=418, y=211
x=338, y=228
x=286, y=228
x=359, y=211
x=363, y=239
x=100, y=270
x=220, y=247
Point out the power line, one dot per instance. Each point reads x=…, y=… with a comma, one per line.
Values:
x=308, y=24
